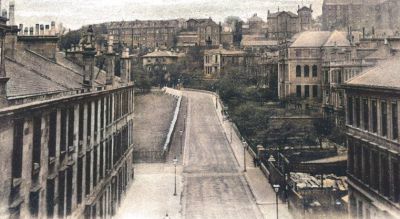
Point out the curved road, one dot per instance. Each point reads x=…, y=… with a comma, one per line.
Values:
x=214, y=185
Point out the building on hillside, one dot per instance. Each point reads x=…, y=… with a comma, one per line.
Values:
x=317, y=64
x=204, y=33
x=285, y=24
x=372, y=121
x=255, y=25
x=146, y=34
x=371, y=16
x=217, y=60
x=259, y=43
x=160, y=64
x=66, y=134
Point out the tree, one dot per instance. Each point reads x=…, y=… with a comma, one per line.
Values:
x=323, y=129
x=70, y=38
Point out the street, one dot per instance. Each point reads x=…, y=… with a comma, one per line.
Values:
x=214, y=186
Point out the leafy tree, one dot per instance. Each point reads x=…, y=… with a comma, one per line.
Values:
x=70, y=38
x=323, y=129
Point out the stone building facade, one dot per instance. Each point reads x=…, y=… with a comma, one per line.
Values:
x=66, y=136
x=285, y=24
x=370, y=16
x=372, y=120
x=217, y=60
x=149, y=34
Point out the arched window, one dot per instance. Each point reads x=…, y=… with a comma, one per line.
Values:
x=306, y=71
x=298, y=71
x=315, y=71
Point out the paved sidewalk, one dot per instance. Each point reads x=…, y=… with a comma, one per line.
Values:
x=151, y=194
x=262, y=191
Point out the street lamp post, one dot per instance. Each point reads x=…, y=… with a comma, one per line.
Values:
x=244, y=155
x=276, y=189
x=181, y=132
x=175, y=162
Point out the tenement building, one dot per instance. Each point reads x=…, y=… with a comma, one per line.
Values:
x=65, y=134
x=372, y=120
x=149, y=34
x=285, y=24
x=370, y=16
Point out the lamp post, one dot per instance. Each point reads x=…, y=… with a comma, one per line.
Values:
x=245, y=145
x=181, y=132
x=276, y=189
x=175, y=162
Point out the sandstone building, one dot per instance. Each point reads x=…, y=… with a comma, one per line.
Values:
x=371, y=16
x=285, y=24
x=372, y=120
x=66, y=133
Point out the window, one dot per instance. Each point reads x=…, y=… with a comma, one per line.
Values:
x=298, y=71
x=315, y=91
x=298, y=52
x=306, y=71
x=366, y=114
x=307, y=91
x=384, y=118
x=374, y=116
x=298, y=91
x=395, y=124
x=350, y=110
x=17, y=148
x=358, y=112
x=315, y=71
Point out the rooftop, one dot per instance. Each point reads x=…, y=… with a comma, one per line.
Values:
x=32, y=74
x=162, y=53
x=321, y=39
x=311, y=39
x=384, y=75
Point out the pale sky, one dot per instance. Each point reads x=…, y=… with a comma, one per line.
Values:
x=75, y=13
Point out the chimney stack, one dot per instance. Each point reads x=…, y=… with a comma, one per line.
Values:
x=12, y=13
x=88, y=53
x=4, y=13
x=41, y=30
x=21, y=27
x=37, y=29
x=110, y=61
x=53, y=28
x=47, y=30
x=31, y=31
x=125, y=66
x=26, y=31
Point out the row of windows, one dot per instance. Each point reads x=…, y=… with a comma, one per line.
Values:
x=307, y=71
x=309, y=90
x=367, y=114
x=99, y=114
x=366, y=164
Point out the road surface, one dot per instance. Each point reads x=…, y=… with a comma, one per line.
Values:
x=214, y=185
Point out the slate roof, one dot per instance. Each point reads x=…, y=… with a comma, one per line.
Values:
x=311, y=39
x=321, y=39
x=382, y=52
x=337, y=38
x=161, y=53
x=24, y=82
x=276, y=14
x=32, y=74
x=225, y=52
x=384, y=75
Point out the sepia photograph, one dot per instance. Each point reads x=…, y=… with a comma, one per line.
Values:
x=199, y=109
